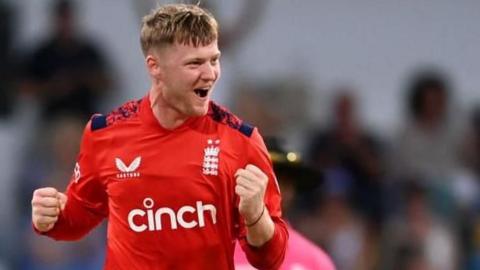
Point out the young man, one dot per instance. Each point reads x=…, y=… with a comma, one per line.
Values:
x=178, y=177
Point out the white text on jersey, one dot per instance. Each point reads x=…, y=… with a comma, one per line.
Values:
x=154, y=222
x=130, y=170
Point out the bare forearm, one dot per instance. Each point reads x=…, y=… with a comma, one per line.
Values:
x=269, y=251
x=262, y=231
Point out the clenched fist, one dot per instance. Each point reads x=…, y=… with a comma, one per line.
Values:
x=250, y=187
x=46, y=206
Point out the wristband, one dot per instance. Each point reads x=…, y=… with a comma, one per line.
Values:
x=258, y=219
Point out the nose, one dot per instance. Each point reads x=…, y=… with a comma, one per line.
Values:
x=210, y=72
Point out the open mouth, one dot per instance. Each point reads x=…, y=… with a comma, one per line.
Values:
x=201, y=92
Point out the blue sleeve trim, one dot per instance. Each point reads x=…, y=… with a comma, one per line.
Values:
x=246, y=129
x=98, y=122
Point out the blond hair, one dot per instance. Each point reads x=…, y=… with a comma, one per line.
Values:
x=177, y=23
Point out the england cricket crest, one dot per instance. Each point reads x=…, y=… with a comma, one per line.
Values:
x=210, y=158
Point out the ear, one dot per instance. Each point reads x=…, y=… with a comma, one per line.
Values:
x=153, y=66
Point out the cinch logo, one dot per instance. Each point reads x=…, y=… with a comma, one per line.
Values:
x=130, y=170
x=153, y=220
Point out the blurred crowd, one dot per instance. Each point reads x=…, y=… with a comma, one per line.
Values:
x=371, y=201
x=408, y=201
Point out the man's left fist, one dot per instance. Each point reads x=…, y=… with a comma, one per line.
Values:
x=250, y=187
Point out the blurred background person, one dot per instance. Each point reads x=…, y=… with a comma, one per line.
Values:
x=470, y=219
x=415, y=238
x=335, y=225
x=346, y=148
x=471, y=144
x=427, y=149
x=58, y=144
x=350, y=157
x=64, y=77
x=67, y=72
x=7, y=61
x=435, y=150
x=427, y=145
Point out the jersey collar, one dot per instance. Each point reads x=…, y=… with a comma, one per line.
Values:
x=147, y=116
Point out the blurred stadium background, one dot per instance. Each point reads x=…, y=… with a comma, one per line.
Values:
x=380, y=98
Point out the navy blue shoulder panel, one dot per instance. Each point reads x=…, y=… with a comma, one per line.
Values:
x=126, y=111
x=222, y=115
x=99, y=121
x=246, y=129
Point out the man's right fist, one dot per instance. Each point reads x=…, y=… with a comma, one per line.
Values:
x=46, y=206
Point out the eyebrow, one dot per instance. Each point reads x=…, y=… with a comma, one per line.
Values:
x=217, y=55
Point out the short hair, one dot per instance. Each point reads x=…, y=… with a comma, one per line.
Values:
x=422, y=82
x=177, y=23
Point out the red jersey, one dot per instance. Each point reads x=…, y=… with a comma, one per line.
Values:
x=169, y=195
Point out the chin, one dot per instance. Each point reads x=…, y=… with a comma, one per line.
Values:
x=199, y=111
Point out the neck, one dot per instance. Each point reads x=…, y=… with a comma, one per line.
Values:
x=168, y=117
